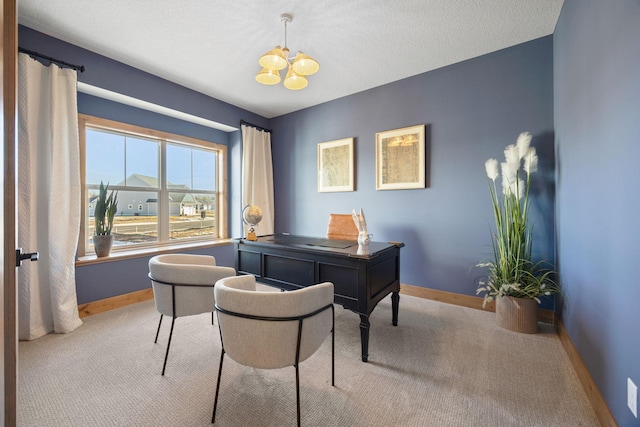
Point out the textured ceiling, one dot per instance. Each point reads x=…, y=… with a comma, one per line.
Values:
x=212, y=46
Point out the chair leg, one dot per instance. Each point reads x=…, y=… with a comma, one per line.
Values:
x=212, y=318
x=333, y=347
x=333, y=358
x=215, y=402
x=158, y=331
x=298, y=393
x=166, y=355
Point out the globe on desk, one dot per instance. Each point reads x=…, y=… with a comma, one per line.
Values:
x=251, y=215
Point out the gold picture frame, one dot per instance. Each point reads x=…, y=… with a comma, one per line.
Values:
x=335, y=165
x=400, y=158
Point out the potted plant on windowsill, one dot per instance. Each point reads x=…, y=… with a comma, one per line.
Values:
x=515, y=281
x=104, y=213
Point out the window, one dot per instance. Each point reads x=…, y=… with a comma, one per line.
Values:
x=170, y=188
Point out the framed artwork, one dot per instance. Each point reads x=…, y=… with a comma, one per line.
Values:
x=335, y=165
x=400, y=158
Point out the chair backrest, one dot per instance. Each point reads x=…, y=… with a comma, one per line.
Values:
x=341, y=226
x=269, y=344
x=192, y=276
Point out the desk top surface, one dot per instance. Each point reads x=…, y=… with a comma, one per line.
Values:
x=343, y=247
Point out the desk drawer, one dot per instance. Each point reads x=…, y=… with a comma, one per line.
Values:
x=249, y=262
x=288, y=270
x=344, y=279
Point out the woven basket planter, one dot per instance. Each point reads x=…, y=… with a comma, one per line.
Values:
x=517, y=314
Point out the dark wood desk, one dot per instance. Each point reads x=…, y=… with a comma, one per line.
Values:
x=360, y=280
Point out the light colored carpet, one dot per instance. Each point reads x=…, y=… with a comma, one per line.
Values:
x=442, y=365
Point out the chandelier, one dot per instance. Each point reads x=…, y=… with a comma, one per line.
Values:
x=278, y=59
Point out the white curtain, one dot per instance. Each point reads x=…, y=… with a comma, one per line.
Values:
x=48, y=198
x=257, y=175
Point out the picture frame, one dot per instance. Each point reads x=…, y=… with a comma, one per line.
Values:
x=400, y=158
x=335, y=166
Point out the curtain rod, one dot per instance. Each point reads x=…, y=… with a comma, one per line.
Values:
x=243, y=122
x=48, y=58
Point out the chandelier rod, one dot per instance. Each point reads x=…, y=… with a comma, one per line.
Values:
x=286, y=18
x=285, y=33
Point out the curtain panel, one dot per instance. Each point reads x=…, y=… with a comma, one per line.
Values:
x=257, y=176
x=48, y=197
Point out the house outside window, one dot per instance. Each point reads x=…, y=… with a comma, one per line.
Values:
x=170, y=188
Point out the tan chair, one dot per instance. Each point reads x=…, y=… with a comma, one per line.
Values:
x=342, y=227
x=270, y=330
x=183, y=286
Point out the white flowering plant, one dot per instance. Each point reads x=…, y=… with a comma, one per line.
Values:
x=512, y=271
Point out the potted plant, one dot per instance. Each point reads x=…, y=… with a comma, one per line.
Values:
x=515, y=281
x=105, y=211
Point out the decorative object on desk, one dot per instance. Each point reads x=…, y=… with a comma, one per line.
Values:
x=335, y=165
x=252, y=215
x=515, y=281
x=363, y=249
x=278, y=58
x=104, y=213
x=400, y=158
x=364, y=238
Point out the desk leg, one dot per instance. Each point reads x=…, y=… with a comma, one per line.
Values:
x=395, y=302
x=364, y=336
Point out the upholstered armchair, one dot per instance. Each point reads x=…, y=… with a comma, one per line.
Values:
x=269, y=330
x=183, y=286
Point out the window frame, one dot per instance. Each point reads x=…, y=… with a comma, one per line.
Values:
x=221, y=194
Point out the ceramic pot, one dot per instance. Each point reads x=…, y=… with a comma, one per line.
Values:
x=517, y=314
x=102, y=245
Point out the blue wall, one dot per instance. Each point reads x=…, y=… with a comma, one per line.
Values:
x=597, y=119
x=472, y=111
x=98, y=281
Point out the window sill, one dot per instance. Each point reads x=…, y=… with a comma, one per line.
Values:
x=143, y=252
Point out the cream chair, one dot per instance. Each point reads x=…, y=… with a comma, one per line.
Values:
x=269, y=330
x=183, y=286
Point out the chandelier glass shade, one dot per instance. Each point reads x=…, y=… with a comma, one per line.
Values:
x=305, y=65
x=277, y=59
x=295, y=81
x=268, y=77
